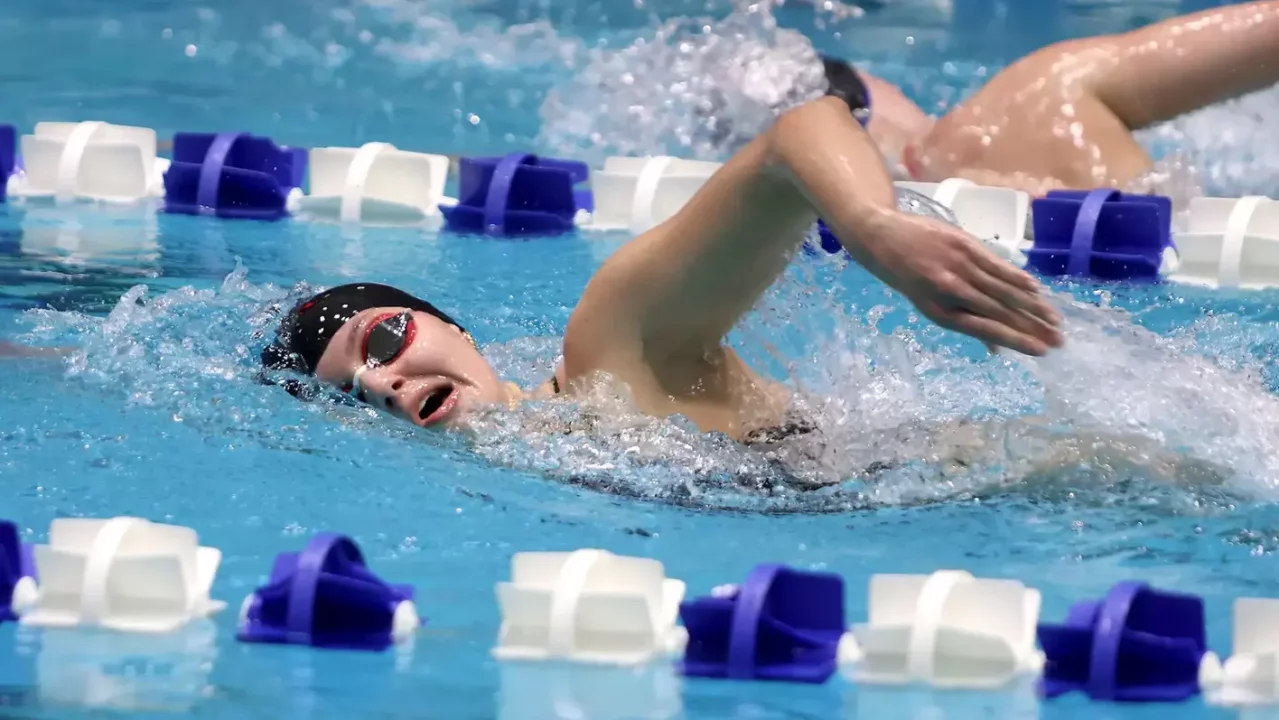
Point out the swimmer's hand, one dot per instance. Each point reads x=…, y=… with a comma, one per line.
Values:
x=949, y=275
x=958, y=283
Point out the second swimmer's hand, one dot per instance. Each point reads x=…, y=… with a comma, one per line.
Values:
x=961, y=285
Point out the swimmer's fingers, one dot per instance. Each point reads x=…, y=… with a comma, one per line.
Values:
x=1017, y=293
x=992, y=332
x=970, y=290
x=1023, y=332
x=1028, y=313
x=987, y=261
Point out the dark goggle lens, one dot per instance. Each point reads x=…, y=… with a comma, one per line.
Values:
x=387, y=338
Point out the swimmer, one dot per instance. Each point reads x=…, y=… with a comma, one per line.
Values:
x=1064, y=116
x=656, y=314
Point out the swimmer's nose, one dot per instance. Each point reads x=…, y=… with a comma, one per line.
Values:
x=383, y=388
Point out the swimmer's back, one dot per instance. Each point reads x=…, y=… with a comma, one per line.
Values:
x=1037, y=125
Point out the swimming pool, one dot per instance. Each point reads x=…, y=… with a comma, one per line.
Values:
x=157, y=417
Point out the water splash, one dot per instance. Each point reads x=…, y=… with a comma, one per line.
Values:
x=1188, y=403
x=701, y=88
x=904, y=413
x=903, y=423
x=420, y=37
x=909, y=417
x=916, y=203
x=696, y=88
x=1228, y=149
x=187, y=352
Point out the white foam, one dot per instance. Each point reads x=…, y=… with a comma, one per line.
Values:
x=683, y=91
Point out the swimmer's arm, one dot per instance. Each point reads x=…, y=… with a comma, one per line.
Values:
x=14, y=350
x=1128, y=453
x=1030, y=447
x=665, y=301
x=676, y=290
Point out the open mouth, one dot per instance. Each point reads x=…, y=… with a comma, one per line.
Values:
x=436, y=406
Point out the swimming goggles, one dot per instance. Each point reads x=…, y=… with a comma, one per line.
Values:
x=384, y=340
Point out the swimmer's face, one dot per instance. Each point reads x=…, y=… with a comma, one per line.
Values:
x=411, y=364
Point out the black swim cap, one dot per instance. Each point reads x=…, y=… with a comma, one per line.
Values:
x=845, y=84
x=306, y=330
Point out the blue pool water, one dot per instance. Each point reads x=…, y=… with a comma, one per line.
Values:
x=157, y=414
